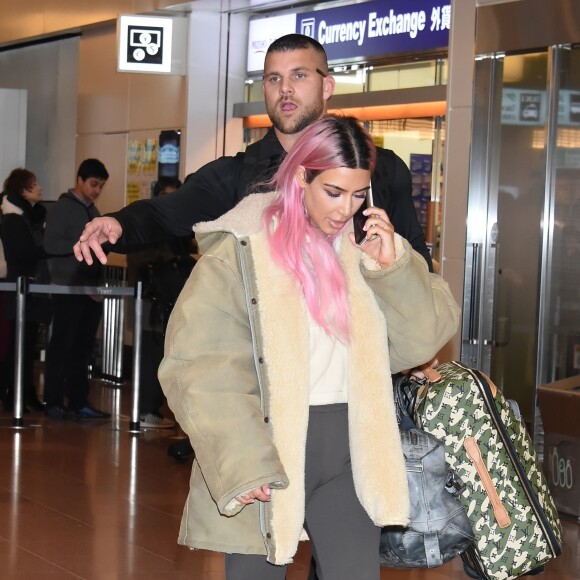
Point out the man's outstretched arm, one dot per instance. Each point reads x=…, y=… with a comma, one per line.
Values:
x=205, y=196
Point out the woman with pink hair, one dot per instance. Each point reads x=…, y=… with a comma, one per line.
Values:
x=278, y=362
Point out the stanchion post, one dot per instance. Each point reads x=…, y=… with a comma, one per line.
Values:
x=134, y=424
x=21, y=290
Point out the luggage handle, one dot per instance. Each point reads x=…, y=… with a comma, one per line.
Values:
x=431, y=374
x=501, y=515
x=434, y=376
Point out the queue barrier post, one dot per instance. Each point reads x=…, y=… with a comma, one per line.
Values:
x=21, y=291
x=134, y=425
x=23, y=287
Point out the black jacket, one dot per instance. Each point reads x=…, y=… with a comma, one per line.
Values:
x=218, y=186
x=22, y=236
x=64, y=224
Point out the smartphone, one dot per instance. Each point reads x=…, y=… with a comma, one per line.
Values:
x=359, y=219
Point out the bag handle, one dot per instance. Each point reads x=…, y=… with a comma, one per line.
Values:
x=431, y=374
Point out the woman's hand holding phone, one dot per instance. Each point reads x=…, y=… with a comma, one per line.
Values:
x=373, y=233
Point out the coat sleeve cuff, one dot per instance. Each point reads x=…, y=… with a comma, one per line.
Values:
x=233, y=506
x=371, y=265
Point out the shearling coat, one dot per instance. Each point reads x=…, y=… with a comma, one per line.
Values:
x=236, y=375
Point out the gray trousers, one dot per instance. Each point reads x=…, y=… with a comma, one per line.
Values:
x=344, y=541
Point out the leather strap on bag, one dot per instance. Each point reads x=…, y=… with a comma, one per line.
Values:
x=501, y=515
x=432, y=550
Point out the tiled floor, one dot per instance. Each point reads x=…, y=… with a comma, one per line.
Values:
x=89, y=500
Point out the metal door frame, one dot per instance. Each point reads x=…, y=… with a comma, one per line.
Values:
x=480, y=255
x=545, y=346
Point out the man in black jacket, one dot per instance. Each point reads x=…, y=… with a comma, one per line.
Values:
x=76, y=317
x=297, y=88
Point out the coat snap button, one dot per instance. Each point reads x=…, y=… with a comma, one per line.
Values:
x=261, y=360
x=266, y=419
x=244, y=243
x=254, y=301
x=269, y=535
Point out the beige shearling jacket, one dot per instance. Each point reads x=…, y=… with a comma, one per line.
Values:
x=236, y=376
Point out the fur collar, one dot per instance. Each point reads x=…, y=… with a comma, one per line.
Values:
x=9, y=208
x=245, y=219
x=13, y=204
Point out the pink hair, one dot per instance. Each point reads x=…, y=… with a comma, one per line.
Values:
x=297, y=246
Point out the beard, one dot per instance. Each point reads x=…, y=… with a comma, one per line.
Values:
x=296, y=124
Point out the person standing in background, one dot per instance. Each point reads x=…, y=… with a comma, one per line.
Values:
x=76, y=317
x=163, y=269
x=5, y=338
x=23, y=222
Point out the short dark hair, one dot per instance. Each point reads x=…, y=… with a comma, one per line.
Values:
x=92, y=168
x=166, y=181
x=294, y=41
x=19, y=180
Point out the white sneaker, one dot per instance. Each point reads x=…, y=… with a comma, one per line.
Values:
x=155, y=421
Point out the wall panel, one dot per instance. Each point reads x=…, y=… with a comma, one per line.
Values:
x=36, y=18
x=13, y=134
x=528, y=24
x=114, y=105
x=49, y=73
x=102, y=92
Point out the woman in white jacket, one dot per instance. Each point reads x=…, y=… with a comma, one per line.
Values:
x=278, y=361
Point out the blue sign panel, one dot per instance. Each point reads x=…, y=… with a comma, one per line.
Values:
x=379, y=28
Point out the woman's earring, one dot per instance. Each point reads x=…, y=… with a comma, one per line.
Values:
x=302, y=202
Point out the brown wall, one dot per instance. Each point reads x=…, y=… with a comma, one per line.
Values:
x=114, y=107
x=526, y=25
x=22, y=21
x=110, y=101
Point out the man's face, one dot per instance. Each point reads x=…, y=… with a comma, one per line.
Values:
x=295, y=93
x=90, y=188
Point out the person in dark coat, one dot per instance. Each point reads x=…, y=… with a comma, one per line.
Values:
x=163, y=269
x=76, y=317
x=23, y=222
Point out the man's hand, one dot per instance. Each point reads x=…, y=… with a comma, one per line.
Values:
x=96, y=233
x=426, y=370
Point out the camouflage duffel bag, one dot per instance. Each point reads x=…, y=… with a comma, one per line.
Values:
x=506, y=496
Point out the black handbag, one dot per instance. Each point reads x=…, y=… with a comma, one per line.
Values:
x=438, y=529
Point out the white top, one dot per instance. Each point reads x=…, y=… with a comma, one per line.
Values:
x=328, y=367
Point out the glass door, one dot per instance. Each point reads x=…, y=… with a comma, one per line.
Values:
x=521, y=285
x=506, y=200
x=560, y=318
